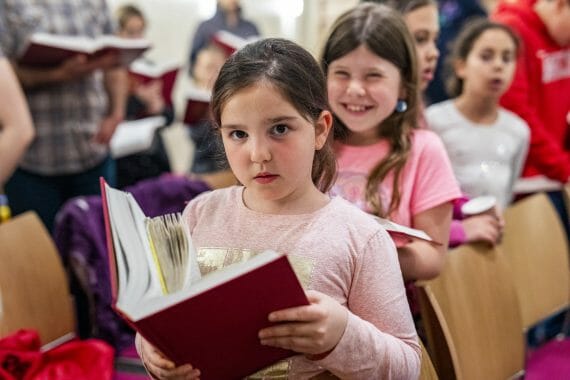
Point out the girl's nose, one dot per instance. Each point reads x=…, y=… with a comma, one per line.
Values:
x=433, y=51
x=260, y=151
x=355, y=88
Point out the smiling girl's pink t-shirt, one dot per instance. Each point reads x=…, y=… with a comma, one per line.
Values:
x=427, y=179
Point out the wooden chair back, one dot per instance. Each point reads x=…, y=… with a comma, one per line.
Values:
x=536, y=247
x=476, y=307
x=34, y=290
x=427, y=370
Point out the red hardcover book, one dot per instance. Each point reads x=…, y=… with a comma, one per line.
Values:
x=230, y=42
x=143, y=71
x=213, y=323
x=197, y=106
x=48, y=50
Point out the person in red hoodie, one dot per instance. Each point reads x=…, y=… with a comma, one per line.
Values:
x=540, y=92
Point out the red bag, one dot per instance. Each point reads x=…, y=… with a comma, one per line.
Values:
x=21, y=359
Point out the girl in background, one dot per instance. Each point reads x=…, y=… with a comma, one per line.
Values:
x=422, y=20
x=269, y=104
x=387, y=165
x=486, y=143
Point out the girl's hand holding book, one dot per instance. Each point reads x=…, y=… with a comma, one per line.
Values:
x=314, y=330
x=160, y=367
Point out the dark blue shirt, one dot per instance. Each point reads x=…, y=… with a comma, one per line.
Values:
x=208, y=28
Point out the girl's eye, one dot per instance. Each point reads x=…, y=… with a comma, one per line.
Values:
x=237, y=134
x=374, y=75
x=279, y=130
x=421, y=38
x=507, y=58
x=341, y=74
x=486, y=56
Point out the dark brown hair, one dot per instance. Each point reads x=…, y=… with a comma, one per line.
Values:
x=463, y=46
x=382, y=30
x=291, y=70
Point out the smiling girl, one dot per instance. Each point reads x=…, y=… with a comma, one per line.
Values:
x=387, y=165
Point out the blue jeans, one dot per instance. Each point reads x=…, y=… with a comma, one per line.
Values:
x=46, y=194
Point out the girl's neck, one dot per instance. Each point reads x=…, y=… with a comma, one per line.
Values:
x=360, y=139
x=232, y=19
x=298, y=203
x=480, y=110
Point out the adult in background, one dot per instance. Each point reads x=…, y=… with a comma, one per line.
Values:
x=228, y=17
x=75, y=106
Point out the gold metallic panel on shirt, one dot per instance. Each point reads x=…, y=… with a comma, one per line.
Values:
x=211, y=259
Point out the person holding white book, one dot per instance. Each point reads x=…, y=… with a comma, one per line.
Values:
x=75, y=105
x=270, y=107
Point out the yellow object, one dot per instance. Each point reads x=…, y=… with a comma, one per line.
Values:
x=5, y=212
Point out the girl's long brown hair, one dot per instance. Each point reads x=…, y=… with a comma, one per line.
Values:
x=383, y=31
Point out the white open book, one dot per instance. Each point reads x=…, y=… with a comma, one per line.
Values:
x=393, y=227
x=135, y=136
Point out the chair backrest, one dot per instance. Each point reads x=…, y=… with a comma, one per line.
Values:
x=427, y=370
x=476, y=307
x=34, y=289
x=536, y=247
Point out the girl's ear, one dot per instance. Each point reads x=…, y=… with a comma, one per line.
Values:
x=459, y=68
x=322, y=129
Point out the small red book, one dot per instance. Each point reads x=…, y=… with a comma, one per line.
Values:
x=230, y=42
x=142, y=71
x=211, y=324
x=197, y=106
x=48, y=50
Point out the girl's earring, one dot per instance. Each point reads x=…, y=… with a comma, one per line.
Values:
x=401, y=106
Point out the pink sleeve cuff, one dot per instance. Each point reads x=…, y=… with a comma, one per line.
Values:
x=456, y=233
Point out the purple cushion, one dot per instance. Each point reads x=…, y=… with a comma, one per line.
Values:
x=550, y=361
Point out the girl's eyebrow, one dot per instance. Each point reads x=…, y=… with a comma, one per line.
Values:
x=271, y=120
x=278, y=119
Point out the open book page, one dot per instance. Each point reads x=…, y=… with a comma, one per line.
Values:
x=48, y=50
x=130, y=258
x=393, y=227
x=535, y=184
x=134, y=136
x=148, y=267
x=169, y=245
x=87, y=44
x=155, y=70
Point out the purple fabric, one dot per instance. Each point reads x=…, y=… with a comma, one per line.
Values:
x=456, y=232
x=79, y=235
x=550, y=361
